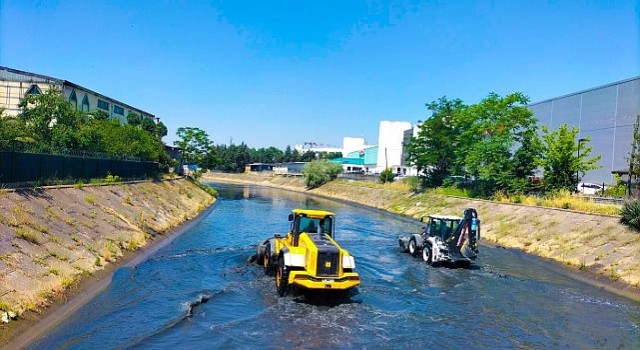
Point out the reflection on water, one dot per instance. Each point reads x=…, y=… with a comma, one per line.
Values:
x=199, y=292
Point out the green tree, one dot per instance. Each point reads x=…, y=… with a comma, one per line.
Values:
x=295, y=156
x=161, y=130
x=287, y=156
x=432, y=151
x=319, y=172
x=12, y=132
x=308, y=156
x=43, y=113
x=99, y=114
x=116, y=140
x=560, y=160
x=498, y=143
x=134, y=119
x=148, y=125
x=196, y=147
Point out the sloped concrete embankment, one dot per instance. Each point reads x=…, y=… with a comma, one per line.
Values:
x=597, y=247
x=52, y=238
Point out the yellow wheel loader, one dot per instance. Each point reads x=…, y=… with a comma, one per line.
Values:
x=308, y=257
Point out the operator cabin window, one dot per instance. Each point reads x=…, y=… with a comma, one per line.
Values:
x=118, y=110
x=103, y=105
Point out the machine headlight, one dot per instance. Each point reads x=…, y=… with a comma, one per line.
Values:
x=296, y=260
x=348, y=262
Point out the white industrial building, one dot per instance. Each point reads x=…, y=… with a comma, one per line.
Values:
x=16, y=84
x=391, y=146
x=317, y=148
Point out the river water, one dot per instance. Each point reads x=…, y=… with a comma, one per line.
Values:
x=199, y=292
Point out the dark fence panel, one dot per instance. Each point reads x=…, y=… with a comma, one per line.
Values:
x=5, y=163
x=26, y=167
x=54, y=167
x=17, y=167
x=74, y=167
x=90, y=169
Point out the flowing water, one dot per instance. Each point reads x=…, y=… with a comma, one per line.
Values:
x=199, y=292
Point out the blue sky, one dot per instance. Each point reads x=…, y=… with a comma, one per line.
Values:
x=278, y=73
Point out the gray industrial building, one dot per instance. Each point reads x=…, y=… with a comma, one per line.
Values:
x=607, y=114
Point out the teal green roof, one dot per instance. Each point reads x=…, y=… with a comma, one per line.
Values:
x=353, y=161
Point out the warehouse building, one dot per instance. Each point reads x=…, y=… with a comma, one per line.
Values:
x=606, y=114
x=16, y=84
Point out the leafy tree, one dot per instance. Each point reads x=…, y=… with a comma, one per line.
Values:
x=432, y=151
x=12, y=131
x=308, y=156
x=267, y=155
x=498, y=143
x=161, y=130
x=42, y=113
x=319, y=172
x=196, y=147
x=295, y=156
x=148, y=125
x=134, y=119
x=99, y=114
x=287, y=156
x=560, y=161
x=116, y=140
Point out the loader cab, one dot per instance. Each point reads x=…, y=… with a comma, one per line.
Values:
x=314, y=223
x=442, y=226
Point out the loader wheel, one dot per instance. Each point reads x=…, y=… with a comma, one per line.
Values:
x=413, y=247
x=268, y=265
x=282, y=278
x=427, y=254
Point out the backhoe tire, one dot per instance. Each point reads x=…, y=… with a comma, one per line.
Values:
x=413, y=246
x=427, y=254
x=282, y=278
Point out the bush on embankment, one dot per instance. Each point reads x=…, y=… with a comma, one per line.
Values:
x=630, y=214
x=319, y=172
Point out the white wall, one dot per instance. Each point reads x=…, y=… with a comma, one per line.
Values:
x=390, y=138
x=351, y=144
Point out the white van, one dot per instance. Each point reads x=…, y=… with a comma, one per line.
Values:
x=590, y=188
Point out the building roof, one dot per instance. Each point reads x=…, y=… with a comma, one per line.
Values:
x=10, y=74
x=353, y=161
x=587, y=90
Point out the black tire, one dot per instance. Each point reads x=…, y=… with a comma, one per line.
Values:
x=267, y=261
x=413, y=247
x=282, y=278
x=427, y=254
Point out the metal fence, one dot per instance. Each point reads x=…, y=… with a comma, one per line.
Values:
x=17, y=167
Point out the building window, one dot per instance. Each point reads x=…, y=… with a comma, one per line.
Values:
x=118, y=110
x=73, y=99
x=34, y=90
x=85, y=103
x=103, y=105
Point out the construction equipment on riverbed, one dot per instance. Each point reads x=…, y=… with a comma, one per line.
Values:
x=308, y=257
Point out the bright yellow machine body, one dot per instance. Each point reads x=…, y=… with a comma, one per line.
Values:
x=308, y=256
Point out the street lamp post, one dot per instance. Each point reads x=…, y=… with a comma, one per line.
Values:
x=580, y=141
